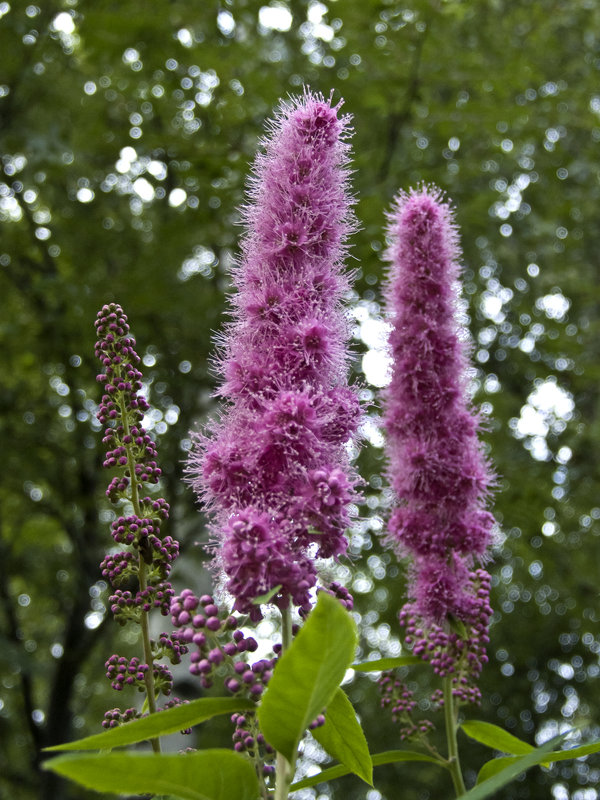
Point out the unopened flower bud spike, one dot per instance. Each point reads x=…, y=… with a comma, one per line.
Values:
x=132, y=453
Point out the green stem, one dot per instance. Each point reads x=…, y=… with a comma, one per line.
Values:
x=142, y=580
x=286, y=628
x=148, y=657
x=450, y=719
x=284, y=771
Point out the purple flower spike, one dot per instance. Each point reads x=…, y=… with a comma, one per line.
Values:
x=437, y=467
x=274, y=472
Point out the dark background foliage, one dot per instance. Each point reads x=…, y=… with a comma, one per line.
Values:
x=126, y=131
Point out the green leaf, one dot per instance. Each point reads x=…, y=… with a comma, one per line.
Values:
x=343, y=738
x=458, y=626
x=207, y=775
x=392, y=756
x=574, y=752
x=496, y=737
x=387, y=757
x=307, y=675
x=387, y=663
x=511, y=768
x=494, y=766
x=264, y=598
x=160, y=724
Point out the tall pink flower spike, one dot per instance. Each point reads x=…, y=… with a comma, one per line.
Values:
x=437, y=467
x=274, y=472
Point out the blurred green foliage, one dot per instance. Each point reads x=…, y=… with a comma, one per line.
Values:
x=126, y=131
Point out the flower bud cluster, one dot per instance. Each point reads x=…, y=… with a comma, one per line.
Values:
x=119, y=568
x=168, y=646
x=123, y=672
x=221, y=650
x=116, y=717
x=336, y=590
x=340, y=592
x=252, y=679
x=133, y=530
x=127, y=606
x=247, y=738
x=130, y=449
x=138, y=574
x=400, y=700
x=457, y=650
x=318, y=722
x=163, y=679
x=220, y=646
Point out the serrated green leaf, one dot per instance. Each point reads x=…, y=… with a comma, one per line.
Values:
x=379, y=759
x=494, y=766
x=160, y=724
x=387, y=663
x=496, y=737
x=207, y=775
x=307, y=675
x=343, y=738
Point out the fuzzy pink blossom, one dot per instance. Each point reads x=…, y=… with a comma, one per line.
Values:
x=274, y=472
x=437, y=467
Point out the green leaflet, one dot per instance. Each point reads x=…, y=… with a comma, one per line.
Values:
x=387, y=757
x=343, y=738
x=496, y=737
x=494, y=766
x=206, y=775
x=160, y=724
x=307, y=675
x=511, y=768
